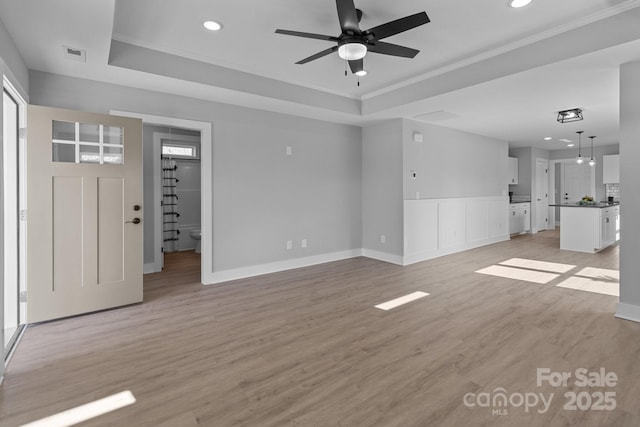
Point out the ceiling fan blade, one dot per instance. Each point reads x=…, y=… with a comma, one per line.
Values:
x=307, y=35
x=348, y=16
x=398, y=26
x=392, y=49
x=356, y=65
x=318, y=55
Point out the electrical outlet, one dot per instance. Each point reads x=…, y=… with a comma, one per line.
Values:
x=289, y=245
x=303, y=243
x=383, y=238
x=289, y=150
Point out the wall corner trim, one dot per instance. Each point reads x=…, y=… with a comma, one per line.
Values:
x=628, y=312
x=383, y=256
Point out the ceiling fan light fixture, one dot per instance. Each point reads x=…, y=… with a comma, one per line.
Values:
x=212, y=25
x=518, y=3
x=352, y=51
x=361, y=73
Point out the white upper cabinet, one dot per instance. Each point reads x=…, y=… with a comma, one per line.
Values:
x=611, y=169
x=513, y=170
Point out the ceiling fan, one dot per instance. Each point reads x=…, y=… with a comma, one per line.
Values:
x=353, y=43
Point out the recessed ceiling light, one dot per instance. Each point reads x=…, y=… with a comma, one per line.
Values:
x=571, y=145
x=547, y=138
x=518, y=3
x=361, y=73
x=212, y=25
x=565, y=140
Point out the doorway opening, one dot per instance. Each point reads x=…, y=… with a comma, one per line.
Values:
x=176, y=169
x=12, y=227
x=153, y=199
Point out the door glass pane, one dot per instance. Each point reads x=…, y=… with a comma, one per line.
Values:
x=89, y=132
x=94, y=143
x=113, y=135
x=65, y=153
x=113, y=155
x=65, y=131
x=89, y=154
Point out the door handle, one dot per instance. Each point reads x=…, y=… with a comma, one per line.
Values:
x=134, y=221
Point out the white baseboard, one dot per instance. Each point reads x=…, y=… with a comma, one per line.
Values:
x=274, y=267
x=150, y=267
x=424, y=256
x=628, y=312
x=382, y=256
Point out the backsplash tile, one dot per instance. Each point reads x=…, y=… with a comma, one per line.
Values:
x=613, y=190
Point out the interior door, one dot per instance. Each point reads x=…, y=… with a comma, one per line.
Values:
x=542, y=194
x=84, y=190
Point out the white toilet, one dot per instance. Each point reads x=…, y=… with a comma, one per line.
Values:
x=195, y=235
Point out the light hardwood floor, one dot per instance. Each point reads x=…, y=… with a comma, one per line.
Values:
x=307, y=348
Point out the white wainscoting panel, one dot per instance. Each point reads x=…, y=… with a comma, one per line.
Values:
x=437, y=227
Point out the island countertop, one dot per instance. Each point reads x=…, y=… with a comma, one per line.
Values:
x=599, y=205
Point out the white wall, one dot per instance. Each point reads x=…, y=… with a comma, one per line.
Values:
x=629, y=306
x=450, y=163
x=382, y=190
x=14, y=66
x=261, y=196
x=469, y=171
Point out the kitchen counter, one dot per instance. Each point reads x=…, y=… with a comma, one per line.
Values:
x=519, y=201
x=588, y=230
x=598, y=205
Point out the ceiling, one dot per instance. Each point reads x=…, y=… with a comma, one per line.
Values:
x=483, y=67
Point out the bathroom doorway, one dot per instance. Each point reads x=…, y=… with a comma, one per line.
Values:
x=152, y=199
x=173, y=180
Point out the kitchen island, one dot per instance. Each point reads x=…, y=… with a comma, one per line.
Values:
x=588, y=227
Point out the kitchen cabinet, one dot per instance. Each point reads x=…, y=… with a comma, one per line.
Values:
x=588, y=228
x=513, y=171
x=519, y=218
x=611, y=169
x=609, y=226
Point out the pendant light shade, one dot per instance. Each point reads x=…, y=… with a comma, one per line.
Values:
x=579, y=159
x=592, y=162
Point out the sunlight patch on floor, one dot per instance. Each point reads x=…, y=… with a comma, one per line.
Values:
x=532, y=264
x=86, y=412
x=401, y=301
x=591, y=285
x=519, y=274
x=600, y=274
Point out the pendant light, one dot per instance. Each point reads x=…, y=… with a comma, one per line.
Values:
x=592, y=162
x=580, y=160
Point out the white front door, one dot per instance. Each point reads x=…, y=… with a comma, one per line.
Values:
x=84, y=195
x=577, y=182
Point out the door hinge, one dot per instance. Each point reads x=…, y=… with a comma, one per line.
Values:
x=22, y=133
x=23, y=296
x=23, y=214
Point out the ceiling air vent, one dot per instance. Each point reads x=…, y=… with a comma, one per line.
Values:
x=75, y=54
